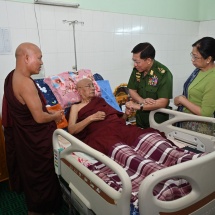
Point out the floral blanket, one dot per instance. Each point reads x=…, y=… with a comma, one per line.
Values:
x=151, y=152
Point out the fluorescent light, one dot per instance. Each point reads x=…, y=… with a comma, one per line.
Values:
x=56, y=3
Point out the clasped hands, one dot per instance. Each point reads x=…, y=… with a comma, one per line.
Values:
x=59, y=114
x=132, y=106
x=178, y=100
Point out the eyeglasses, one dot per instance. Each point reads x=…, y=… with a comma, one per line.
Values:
x=138, y=62
x=193, y=57
x=88, y=86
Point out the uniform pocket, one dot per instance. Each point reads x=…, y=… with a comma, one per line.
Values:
x=151, y=92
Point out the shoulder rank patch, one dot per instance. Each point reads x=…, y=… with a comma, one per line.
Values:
x=161, y=70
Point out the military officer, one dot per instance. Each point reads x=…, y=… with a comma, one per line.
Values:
x=150, y=85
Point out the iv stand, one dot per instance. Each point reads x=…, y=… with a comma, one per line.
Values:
x=73, y=26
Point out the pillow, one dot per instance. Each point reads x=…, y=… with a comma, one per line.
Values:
x=107, y=94
x=46, y=91
x=98, y=77
x=63, y=86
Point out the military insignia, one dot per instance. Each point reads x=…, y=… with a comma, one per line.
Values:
x=153, y=81
x=138, y=75
x=151, y=72
x=161, y=70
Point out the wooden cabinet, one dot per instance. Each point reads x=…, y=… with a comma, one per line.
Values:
x=3, y=164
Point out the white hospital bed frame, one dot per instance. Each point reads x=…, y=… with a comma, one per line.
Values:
x=90, y=195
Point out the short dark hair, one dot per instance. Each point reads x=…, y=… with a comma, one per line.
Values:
x=146, y=50
x=206, y=47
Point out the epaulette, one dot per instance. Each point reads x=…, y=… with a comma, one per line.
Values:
x=161, y=70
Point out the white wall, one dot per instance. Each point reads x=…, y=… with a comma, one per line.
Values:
x=207, y=28
x=103, y=43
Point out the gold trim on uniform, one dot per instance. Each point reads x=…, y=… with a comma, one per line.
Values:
x=151, y=72
x=138, y=75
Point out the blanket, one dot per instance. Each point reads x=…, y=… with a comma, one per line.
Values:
x=150, y=153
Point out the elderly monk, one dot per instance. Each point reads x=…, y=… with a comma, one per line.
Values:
x=97, y=124
x=28, y=129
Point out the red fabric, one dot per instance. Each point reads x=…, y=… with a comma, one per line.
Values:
x=30, y=153
x=102, y=135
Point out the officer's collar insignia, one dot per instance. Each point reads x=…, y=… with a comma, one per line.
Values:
x=151, y=72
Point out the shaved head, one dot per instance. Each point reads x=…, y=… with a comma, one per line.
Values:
x=86, y=89
x=28, y=59
x=83, y=82
x=26, y=48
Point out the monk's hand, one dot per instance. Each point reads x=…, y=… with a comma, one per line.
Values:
x=59, y=116
x=128, y=112
x=131, y=106
x=100, y=115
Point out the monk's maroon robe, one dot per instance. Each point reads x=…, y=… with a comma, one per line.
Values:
x=102, y=135
x=30, y=153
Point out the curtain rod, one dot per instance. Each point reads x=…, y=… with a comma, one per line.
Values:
x=56, y=3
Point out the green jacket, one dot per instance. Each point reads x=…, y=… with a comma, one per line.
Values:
x=158, y=83
x=201, y=92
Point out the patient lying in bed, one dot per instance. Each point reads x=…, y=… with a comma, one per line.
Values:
x=139, y=151
x=98, y=124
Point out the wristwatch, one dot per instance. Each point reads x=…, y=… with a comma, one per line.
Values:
x=141, y=106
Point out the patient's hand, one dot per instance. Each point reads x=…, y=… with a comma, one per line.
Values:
x=128, y=112
x=132, y=106
x=100, y=115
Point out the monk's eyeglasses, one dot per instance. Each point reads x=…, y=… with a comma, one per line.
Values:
x=194, y=57
x=88, y=86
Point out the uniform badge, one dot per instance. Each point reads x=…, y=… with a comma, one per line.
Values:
x=161, y=70
x=153, y=80
x=151, y=72
x=138, y=75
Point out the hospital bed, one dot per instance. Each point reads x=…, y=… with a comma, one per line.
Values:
x=89, y=194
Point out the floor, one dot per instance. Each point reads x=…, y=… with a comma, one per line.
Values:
x=12, y=203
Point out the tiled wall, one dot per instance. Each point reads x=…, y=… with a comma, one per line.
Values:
x=207, y=28
x=103, y=43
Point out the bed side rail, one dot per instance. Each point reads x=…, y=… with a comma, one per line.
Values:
x=199, y=173
x=202, y=142
x=78, y=146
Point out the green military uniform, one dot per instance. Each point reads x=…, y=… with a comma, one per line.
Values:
x=156, y=84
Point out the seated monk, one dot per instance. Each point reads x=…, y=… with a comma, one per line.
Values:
x=99, y=125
